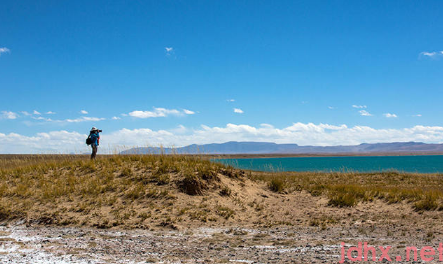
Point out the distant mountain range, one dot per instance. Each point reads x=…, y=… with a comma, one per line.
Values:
x=234, y=147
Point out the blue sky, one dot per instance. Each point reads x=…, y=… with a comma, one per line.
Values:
x=173, y=72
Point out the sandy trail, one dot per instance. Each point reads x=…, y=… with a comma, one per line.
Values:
x=37, y=244
x=21, y=244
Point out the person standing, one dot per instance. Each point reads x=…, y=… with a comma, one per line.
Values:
x=94, y=134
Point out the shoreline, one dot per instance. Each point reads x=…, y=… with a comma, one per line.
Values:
x=314, y=155
x=240, y=155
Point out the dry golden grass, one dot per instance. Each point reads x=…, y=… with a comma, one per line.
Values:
x=141, y=190
x=56, y=189
x=425, y=191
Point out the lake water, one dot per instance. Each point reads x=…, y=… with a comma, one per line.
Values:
x=419, y=164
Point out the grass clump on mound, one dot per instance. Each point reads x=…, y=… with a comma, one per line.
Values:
x=428, y=203
x=342, y=200
x=276, y=185
x=192, y=184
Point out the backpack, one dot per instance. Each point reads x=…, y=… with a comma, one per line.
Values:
x=89, y=140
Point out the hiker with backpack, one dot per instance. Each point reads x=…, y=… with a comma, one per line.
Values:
x=94, y=140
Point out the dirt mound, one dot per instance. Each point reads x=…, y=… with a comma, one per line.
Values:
x=132, y=191
x=180, y=192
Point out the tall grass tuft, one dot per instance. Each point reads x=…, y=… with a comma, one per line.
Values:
x=276, y=185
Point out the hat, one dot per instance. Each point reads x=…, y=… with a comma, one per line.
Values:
x=94, y=129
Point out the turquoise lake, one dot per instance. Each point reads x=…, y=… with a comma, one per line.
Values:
x=419, y=164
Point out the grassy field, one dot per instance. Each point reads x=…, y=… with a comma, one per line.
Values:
x=165, y=190
x=423, y=191
x=74, y=190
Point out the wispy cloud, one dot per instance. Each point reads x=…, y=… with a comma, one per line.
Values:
x=389, y=115
x=8, y=115
x=169, y=51
x=364, y=113
x=35, y=112
x=69, y=120
x=331, y=107
x=238, y=111
x=115, y=118
x=417, y=115
x=230, y=100
x=84, y=119
x=188, y=112
x=83, y=112
x=42, y=118
x=359, y=106
x=433, y=54
x=160, y=112
x=181, y=129
x=4, y=50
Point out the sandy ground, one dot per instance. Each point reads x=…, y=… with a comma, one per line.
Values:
x=20, y=244
x=313, y=234
x=39, y=244
x=251, y=224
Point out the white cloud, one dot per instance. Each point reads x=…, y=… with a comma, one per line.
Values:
x=389, y=115
x=300, y=133
x=42, y=118
x=331, y=107
x=417, y=115
x=231, y=100
x=359, y=106
x=8, y=115
x=35, y=112
x=266, y=125
x=52, y=142
x=83, y=119
x=169, y=51
x=160, y=112
x=434, y=54
x=4, y=50
x=83, y=112
x=115, y=118
x=238, y=111
x=181, y=129
x=364, y=113
x=188, y=112
x=69, y=120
